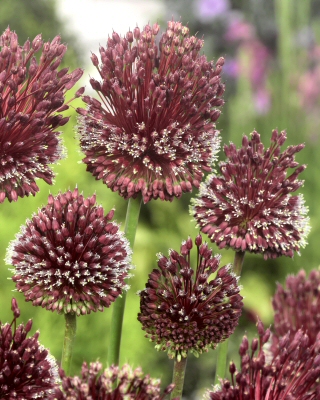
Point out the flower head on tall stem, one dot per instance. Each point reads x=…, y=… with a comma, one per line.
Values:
x=291, y=371
x=185, y=310
x=70, y=257
x=153, y=130
x=96, y=383
x=297, y=305
x=250, y=207
x=32, y=97
x=27, y=370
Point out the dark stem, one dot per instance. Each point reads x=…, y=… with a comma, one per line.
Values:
x=131, y=224
x=69, y=338
x=179, y=370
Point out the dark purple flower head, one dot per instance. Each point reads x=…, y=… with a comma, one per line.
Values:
x=185, y=310
x=70, y=257
x=113, y=383
x=250, y=206
x=153, y=132
x=27, y=370
x=291, y=372
x=32, y=96
x=297, y=305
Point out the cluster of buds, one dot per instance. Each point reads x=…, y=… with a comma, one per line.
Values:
x=113, y=383
x=70, y=257
x=27, y=370
x=290, y=371
x=188, y=310
x=154, y=130
x=32, y=98
x=250, y=206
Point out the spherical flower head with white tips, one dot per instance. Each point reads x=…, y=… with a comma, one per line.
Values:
x=32, y=99
x=250, y=206
x=190, y=310
x=153, y=131
x=70, y=257
x=27, y=370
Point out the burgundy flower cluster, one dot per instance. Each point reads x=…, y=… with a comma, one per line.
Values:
x=250, y=206
x=113, y=383
x=187, y=310
x=32, y=97
x=153, y=130
x=290, y=371
x=27, y=370
x=297, y=305
x=70, y=257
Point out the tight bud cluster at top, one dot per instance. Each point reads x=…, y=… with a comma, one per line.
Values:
x=153, y=130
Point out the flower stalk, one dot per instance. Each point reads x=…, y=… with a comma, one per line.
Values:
x=179, y=370
x=68, y=342
x=131, y=224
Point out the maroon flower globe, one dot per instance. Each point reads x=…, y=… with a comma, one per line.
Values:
x=296, y=306
x=250, y=207
x=185, y=310
x=113, y=383
x=27, y=370
x=32, y=97
x=70, y=257
x=290, y=372
x=153, y=131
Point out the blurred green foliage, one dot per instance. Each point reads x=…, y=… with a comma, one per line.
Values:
x=164, y=225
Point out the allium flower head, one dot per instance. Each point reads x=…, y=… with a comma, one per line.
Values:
x=297, y=305
x=154, y=129
x=70, y=257
x=32, y=95
x=114, y=383
x=27, y=370
x=291, y=372
x=186, y=310
x=250, y=206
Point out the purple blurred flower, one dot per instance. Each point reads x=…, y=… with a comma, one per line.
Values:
x=70, y=257
x=210, y=9
x=32, y=97
x=153, y=132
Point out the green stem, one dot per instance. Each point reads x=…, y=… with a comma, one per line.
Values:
x=179, y=370
x=223, y=347
x=69, y=338
x=131, y=224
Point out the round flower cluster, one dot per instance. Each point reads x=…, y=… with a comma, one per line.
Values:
x=27, y=370
x=250, y=206
x=70, y=257
x=32, y=96
x=185, y=310
x=153, y=132
x=113, y=383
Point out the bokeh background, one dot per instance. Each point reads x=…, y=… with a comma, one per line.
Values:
x=272, y=76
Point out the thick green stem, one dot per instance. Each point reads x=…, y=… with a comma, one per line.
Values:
x=69, y=338
x=238, y=262
x=179, y=370
x=223, y=347
x=131, y=224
